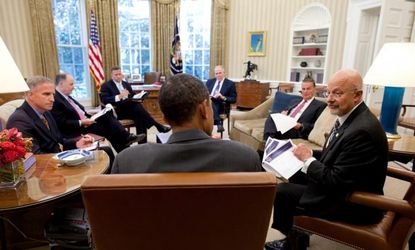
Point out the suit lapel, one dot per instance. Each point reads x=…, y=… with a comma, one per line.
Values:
x=39, y=124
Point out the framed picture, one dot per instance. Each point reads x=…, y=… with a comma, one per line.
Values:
x=256, y=43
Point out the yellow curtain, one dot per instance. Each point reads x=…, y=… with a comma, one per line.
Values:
x=218, y=34
x=163, y=14
x=46, y=52
x=106, y=14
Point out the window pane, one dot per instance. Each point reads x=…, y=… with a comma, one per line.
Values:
x=71, y=41
x=134, y=22
x=195, y=36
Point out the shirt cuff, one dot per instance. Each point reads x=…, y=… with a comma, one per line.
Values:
x=80, y=123
x=117, y=98
x=307, y=164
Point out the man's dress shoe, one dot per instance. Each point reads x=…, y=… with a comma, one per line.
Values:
x=132, y=138
x=164, y=129
x=283, y=244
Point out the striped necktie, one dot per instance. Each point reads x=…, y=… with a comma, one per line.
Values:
x=78, y=110
x=333, y=132
x=45, y=122
x=298, y=109
x=217, y=88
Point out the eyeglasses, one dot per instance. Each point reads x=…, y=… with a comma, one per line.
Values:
x=337, y=93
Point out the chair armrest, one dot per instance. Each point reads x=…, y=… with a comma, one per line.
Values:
x=404, y=108
x=261, y=111
x=383, y=202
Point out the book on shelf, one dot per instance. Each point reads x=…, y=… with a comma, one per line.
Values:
x=279, y=158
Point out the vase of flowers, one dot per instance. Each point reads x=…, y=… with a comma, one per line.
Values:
x=13, y=148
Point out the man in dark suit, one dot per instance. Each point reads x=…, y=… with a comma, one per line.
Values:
x=222, y=92
x=35, y=121
x=354, y=158
x=305, y=111
x=73, y=121
x=117, y=92
x=185, y=103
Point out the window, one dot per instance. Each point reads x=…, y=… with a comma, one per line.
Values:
x=194, y=33
x=71, y=41
x=135, y=43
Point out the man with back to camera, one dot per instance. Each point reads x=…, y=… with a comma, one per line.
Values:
x=73, y=120
x=354, y=158
x=117, y=92
x=186, y=105
x=222, y=92
x=305, y=111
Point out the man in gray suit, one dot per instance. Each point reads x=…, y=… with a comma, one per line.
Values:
x=185, y=103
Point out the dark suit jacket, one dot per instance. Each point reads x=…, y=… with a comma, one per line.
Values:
x=28, y=122
x=109, y=90
x=197, y=152
x=228, y=89
x=307, y=118
x=66, y=116
x=356, y=159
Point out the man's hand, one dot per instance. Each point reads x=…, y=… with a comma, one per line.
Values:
x=298, y=126
x=87, y=122
x=284, y=112
x=85, y=141
x=302, y=152
x=124, y=94
x=219, y=96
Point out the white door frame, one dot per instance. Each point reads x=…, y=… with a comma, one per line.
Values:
x=352, y=31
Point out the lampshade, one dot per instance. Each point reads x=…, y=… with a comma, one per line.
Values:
x=11, y=79
x=394, y=66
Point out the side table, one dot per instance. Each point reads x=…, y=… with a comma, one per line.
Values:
x=402, y=147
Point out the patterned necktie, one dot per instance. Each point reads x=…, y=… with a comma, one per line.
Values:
x=81, y=113
x=45, y=122
x=298, y=109
x=333, y=131
x=217, y=89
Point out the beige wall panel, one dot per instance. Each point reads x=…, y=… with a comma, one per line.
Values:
x=16, y=31
x=276, y=17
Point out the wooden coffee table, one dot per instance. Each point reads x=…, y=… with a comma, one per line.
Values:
x=402, y=147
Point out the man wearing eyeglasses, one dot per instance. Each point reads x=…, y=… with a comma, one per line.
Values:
x=305, y=111
x=354, y=158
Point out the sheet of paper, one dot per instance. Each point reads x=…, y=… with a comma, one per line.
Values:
x=283, y=123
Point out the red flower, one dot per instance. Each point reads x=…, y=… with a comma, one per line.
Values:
x=21, y=151
x=10, y=156
x=7, y=145
x=13, y=132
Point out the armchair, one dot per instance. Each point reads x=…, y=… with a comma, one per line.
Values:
x=151, y=77
x=405, y=121
x=179, y=210
x=392, y=232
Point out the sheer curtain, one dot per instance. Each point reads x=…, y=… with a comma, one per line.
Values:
x=46, y=52
x=218, y=34
x=163, y=14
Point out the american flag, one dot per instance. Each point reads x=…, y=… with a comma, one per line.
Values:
x=94, y=54
x=176, y=63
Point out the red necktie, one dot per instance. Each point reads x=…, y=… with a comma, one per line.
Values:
x=298, y=109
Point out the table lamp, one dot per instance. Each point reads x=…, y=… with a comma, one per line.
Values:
x=11, y=79
x=394, y=68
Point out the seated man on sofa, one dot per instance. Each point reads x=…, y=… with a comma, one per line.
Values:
x=305, y=111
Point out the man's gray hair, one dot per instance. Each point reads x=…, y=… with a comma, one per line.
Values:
x=35, y=81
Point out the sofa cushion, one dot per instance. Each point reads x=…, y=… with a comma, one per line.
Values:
x=258, y=133
x=7, y=109
x=282, y=101
x=246, y=126
x=323, y=124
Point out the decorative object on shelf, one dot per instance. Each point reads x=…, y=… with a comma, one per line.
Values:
x=322, y=39
x=312, y=37
x=393, y=68
x=303, y=64
x=310, y=52
x=256, y=43
x=13, y=148
x=309, y=75
x=298, y=40
x=317, y=63
x=250, y=67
